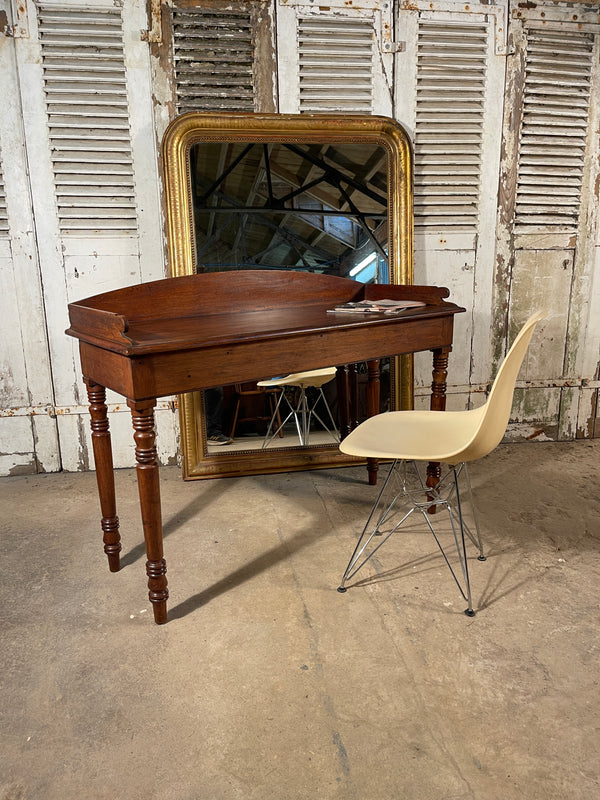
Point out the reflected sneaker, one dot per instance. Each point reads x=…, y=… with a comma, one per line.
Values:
x=219, y=438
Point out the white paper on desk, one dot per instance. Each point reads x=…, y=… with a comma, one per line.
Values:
x=383, y=306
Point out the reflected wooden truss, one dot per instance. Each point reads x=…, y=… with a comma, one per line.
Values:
x=306, y=206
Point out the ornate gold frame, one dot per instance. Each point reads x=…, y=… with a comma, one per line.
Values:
x=189, y=129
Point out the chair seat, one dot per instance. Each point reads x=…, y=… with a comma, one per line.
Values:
x=301, y=408
x=314, y=378
x=415, y=435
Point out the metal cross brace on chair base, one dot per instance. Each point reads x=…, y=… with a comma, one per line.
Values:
x=405, y=492
x=303, y=410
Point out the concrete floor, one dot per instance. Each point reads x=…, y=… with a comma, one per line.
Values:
x=267, y=683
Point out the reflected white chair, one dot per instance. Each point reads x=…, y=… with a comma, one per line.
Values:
x=301, y=408
x=452, y=438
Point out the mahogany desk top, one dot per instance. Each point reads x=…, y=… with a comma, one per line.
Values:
x=183, y=334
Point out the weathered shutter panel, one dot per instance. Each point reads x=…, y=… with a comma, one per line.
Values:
x=336, y=64
x=3, y=209
x=214, y=60
x=86, y=101
x=451, y=81
x=553, y=130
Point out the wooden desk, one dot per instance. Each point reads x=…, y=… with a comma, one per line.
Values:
x=183, y=334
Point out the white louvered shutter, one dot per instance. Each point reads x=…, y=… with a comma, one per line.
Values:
x=549, y=216
x=86, y=97
x=553, y=130
x=335, y=58
x=449, y=75
x=84, y=76
x=214, y=54
x=450, y=95
x=29, y=439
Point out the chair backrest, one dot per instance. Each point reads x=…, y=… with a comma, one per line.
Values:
x=496, y=411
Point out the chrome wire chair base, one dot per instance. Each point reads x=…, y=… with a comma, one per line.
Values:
x=404, y=493
x=303, y=410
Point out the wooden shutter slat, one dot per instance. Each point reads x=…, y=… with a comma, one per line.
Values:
x=335, y=64
x=3, y=208
x=214, y=60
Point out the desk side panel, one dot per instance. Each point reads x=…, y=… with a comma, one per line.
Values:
x=108, y=369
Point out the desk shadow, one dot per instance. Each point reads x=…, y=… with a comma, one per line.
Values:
x=214, y=494
x=195, y=507
x=353, y=473
x=246, y=572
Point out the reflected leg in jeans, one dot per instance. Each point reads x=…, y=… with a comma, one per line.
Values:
x=213, y=407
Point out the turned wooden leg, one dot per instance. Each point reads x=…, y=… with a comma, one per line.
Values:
x=343, y=400
x=353, y=395
x=105, y=476
x=142, y=414
x=373, y=389
x=438, y=403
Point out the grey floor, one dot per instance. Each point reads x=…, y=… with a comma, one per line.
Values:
x=266, y=682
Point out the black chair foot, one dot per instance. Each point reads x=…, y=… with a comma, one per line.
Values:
x=469, y=612
x=341, y=589
x=481, y=558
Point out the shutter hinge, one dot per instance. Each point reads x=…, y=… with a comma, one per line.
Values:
x=394, y=47
x=20, y=30
x=154, y=32
x=501, y=31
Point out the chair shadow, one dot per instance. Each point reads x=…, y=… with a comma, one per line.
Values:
x=491, y=593
x=408, y=569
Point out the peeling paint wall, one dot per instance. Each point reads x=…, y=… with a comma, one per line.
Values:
x=44, y=264
x=551, y=263
x=498, y=268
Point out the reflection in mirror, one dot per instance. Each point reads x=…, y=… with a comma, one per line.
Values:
x=320, y=208
x=287, y=206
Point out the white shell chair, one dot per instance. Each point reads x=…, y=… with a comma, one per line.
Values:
x=449, y=437
x=302, y=409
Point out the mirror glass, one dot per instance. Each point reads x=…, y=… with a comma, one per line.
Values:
x=319, y=208
x=286, y=206
x=325, y=194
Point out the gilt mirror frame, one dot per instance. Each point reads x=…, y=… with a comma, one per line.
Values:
x=192, y=128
